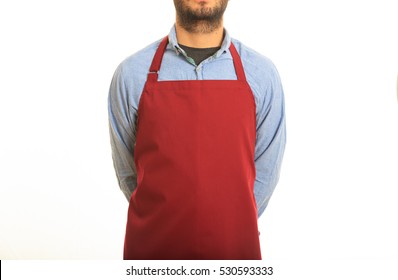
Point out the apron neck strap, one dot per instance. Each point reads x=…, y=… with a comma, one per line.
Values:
x=157, y=61
x=240, y=73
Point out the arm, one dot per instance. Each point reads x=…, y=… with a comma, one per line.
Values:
x=122, y=133
x=270, y=141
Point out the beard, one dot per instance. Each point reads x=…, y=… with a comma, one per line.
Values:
x=201, y=20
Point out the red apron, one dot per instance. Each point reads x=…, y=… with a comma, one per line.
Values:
x=194, y=156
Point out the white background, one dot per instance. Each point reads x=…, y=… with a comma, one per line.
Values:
x=338, y=60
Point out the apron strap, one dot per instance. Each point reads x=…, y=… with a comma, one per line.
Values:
x=157, y=61
x=240, y=73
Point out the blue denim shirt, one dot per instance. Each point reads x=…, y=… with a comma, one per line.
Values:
x=128, y=82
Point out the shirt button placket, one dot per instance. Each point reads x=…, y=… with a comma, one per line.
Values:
x=199, y=73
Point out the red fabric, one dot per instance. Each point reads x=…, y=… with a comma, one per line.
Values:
x=194, y=156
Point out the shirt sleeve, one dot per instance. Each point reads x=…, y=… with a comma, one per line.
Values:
x=270, y=141
x=122, y=119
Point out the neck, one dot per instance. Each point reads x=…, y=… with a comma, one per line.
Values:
x=200, y=38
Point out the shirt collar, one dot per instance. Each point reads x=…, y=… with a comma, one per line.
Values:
x=173, y=43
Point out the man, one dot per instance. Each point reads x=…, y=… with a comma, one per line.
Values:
x=198, y=133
